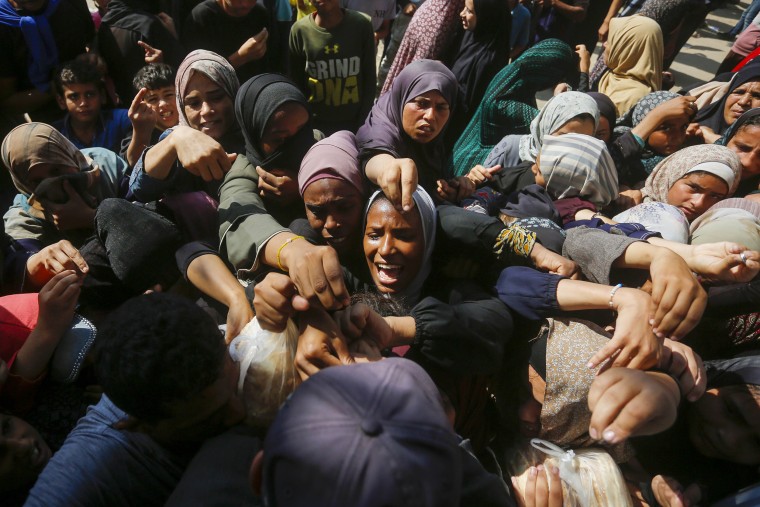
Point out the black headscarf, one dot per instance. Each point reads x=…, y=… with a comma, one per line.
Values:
x=712, y=115
x=256, y=102
x=727, y=372
x=117, y=9
x=484, y=51
x=606, y=107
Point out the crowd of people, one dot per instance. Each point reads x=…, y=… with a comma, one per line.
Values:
x=242, y=264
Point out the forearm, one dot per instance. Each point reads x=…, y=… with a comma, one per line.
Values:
x=210, y=275
x=140, y=140
x=613, y=10
x=33, y=357
x=571, y=12
x=682, y=249
x=160, y=159
x=24, y=101
x=575, y=295
x=237, y=60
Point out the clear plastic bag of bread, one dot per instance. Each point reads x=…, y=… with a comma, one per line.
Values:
x=590, y=477
x=267, y=369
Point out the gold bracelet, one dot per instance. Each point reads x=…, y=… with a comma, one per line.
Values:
x=279, y=251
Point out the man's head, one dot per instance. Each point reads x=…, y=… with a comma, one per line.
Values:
x=372, y=434
x=162, y=360
x=79, y=90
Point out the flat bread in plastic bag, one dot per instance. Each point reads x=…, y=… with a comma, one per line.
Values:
x=267, y=369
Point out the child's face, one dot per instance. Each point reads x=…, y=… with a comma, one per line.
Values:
x=725, y=424
x=669, y=136
x=82, y=100
x=163, y=102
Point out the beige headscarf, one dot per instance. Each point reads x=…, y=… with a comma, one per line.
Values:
x=34, y=143
x=711, y=158
x=634, y=50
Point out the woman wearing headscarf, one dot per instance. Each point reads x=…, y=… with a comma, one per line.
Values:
x=653, y=129
x=430, y=34
x=743, y=137
x=334, y=192
x=509, y=103
x=401, y=143
x=194, y=155
x=743, y=94
x=633, y=55
x=253, y=209
x=685, y=184
x=735, y=219
x=484, y=51
x=59, y=186
x=567, y=112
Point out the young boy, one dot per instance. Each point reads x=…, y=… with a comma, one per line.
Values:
x=153, y=110
x=79, y=91
x=332, y=60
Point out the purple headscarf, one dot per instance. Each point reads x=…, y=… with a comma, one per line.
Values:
x=334, y=157
x=383, y=131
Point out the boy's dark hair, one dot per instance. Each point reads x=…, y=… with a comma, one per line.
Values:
x=752, y=122
x=76, y=72
x=154, y=76
x=157, y=349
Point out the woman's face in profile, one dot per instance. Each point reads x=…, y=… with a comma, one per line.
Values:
x=393, y=245
x=725, y=424
x=746, y=144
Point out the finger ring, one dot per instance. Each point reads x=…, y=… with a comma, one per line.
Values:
x=744, y=258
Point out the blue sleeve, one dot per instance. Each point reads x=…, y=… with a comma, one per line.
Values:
x=102, y=466
x=529, y=293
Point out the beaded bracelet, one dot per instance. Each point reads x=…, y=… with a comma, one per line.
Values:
x=612, y=294
x=279, y=251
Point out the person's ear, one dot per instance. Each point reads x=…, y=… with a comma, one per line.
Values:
x=61, y=101
x=256, y=472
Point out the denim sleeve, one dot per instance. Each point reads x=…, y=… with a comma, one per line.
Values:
x=143, y=187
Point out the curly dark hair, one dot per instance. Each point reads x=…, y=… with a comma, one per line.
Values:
x=76, y=72
x=154, y=76
x=156, y=349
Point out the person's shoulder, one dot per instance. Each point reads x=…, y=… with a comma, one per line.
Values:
x=358, y=18
x=206, y=9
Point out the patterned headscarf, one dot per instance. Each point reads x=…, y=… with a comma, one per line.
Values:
x=557, y=111
x=577, y=165
x=686, y=160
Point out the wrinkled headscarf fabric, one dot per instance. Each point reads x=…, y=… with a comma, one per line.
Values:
x=383, y=131
x=509, y=103
x=557, y=111
x=728, y=372
x=577, y=165
x=38, y=37
x=660, y=217
x=423, y=204
x=682, y=162
x=733, y=219
x=214, y=67
x=635, y=51
x=334, y=157
x=712, y=115
x=258, y=99
x=31, y=144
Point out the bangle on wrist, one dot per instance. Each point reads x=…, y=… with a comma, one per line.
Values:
x=279, y=251
x=612, y=295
